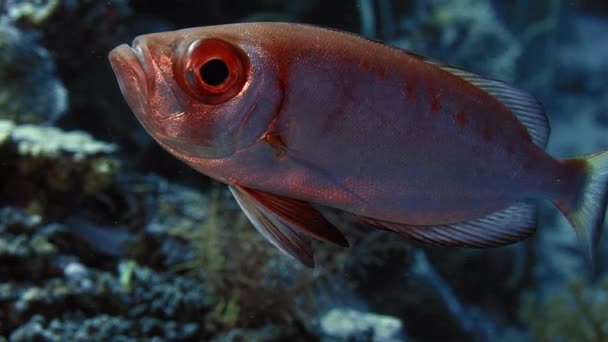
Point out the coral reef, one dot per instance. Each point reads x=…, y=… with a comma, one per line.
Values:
x=49, y=286
x=231, y=282
x=34, y=11
x=103, y=328
x=91, y=248
x=48, y=170
x=99, y=268
x=351, y=325
x=25, y=250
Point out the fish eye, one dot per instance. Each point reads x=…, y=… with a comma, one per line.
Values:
x=214, y=72
x=211, y=70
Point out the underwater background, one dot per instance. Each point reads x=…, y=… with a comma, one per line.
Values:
x=106, y=237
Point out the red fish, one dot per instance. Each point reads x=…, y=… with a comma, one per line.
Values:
x=293, y=117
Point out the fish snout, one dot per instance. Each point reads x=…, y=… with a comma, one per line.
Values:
x=133, y=79
x=128, y=67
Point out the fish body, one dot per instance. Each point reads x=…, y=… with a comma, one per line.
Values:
x=294, y=116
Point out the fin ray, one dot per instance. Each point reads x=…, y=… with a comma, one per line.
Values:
x=301, y=216
x=588, y=214
x=528, y=109
x=279, y=234
x=503, y=227
x=287, y=223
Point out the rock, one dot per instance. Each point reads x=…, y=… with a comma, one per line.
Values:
x=352, y=325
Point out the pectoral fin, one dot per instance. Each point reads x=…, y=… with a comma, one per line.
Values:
x=286, y=222
x=503, y=227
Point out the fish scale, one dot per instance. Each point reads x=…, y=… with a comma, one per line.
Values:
x=297, y=116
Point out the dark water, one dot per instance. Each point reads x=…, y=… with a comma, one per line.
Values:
x=105, y=237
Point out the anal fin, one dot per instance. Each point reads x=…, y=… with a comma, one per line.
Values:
x=500, y=228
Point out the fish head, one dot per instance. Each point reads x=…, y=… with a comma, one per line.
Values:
x=202, y=93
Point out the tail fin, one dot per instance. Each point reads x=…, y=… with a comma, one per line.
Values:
x=587, y=214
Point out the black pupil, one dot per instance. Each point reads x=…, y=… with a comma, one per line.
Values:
x=214, y=72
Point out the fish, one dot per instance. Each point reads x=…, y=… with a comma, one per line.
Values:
x=296, y=118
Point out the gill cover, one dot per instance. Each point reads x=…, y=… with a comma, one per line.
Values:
x=211, y=94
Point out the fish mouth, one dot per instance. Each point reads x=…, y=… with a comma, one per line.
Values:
x=130, y=67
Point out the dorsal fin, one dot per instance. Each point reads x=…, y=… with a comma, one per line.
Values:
x=528, y=109
x=503, y=227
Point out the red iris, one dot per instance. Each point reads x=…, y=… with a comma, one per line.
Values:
x=211, y=70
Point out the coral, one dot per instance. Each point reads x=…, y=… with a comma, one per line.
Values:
x=50, y=142
x=80, y=57
x=252, y=284
x=41, y=12
x=53, y=287
x=577, y=311
x=31, y=91
x=165, y=213
x=33, y=250
x=135, y=294
x=44, y=164
x=103, y=328
x=151, y=298
x=33, y=11
x=52, y=279
x=351, y=325
x=26, y=250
